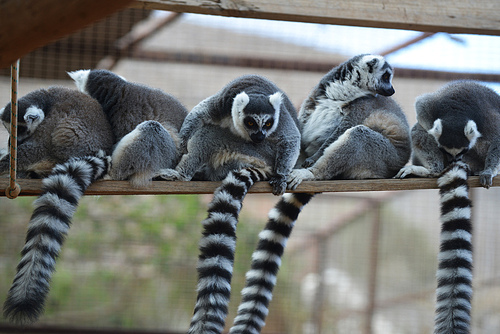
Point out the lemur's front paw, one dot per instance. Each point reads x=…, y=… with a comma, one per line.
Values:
x=413, y=170
x=308, y=162
x=278, y=182
x=297, y=176
x=170, y=175
x=486, y=178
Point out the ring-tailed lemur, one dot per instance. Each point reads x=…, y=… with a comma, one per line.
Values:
x=56, y=125
x=247, y=132
x=460, y=120
x=248, y=123
x=350, y=128
x=48, y=226
x=454, y=274
x=348, y=131
x=146, y=122
x=46, y=131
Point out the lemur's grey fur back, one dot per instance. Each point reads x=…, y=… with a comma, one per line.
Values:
x=55, y=124
x=127, y=104
x=47, y=229
x=454, y=274
x=146, y=122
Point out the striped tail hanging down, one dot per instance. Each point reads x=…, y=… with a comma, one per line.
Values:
x=454, y=274
x=217, y=246
x=266, y=261
x=48, y=226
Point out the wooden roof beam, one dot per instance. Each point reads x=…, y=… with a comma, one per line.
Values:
x=30, y=24
x=468, y=16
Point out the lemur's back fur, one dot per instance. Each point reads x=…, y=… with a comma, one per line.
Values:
x=48, y=226
x=454, y=274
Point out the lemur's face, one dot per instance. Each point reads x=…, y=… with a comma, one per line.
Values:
x=255, y=117
x=379, y=75
x=258, y=126
x=455, y=140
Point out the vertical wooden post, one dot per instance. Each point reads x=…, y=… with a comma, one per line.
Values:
x=13, y=189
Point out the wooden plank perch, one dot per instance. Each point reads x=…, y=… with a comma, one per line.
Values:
x=469, y=16
x=107, y=187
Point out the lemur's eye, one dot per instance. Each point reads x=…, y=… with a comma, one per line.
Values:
x=250, y=123
x=386, y=76
x=268, y=124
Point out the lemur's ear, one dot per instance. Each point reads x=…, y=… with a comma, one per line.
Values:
x=240, y=102
x=437, y=129
x=371, y=64
x=471, y=133
x=80, y=78
x=33, y=117
x=275, y=100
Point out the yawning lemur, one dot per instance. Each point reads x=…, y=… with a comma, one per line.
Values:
x=461, y=120
x=350, y=129
x=55, y=124
x=245, y=133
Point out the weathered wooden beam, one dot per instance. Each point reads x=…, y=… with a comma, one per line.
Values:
x=29, y=24
x=468, y=16
x=31, y=187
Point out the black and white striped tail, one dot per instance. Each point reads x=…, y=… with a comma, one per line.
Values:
x=217, y=246
x=48, y=226
x=454, y=274
x=266, y=261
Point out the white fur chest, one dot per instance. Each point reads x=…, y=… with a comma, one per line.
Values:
x=326, y=116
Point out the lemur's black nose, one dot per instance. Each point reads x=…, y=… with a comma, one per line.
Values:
x=258, y=137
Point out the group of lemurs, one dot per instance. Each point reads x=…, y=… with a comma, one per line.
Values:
x=348, y=127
